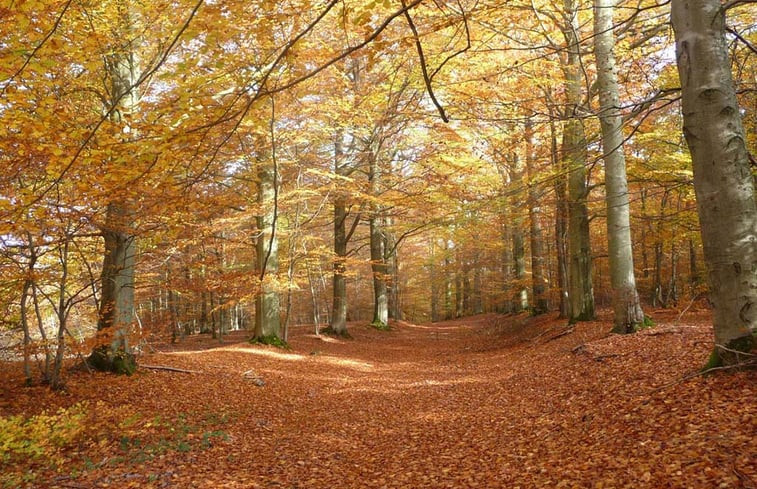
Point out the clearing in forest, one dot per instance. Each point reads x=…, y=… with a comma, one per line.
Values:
x=487, y=401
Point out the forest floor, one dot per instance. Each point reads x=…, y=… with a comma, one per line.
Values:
x=487, y=401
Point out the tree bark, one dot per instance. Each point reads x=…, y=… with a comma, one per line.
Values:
x=580, y=289
x=392, y=269
x=538, y=281
x=625, y=298
x=377, y=242
x=520, y=297
x=561, y=225
x=339, y=307
x=723, y=181
x=267, y=303
x=116, y=313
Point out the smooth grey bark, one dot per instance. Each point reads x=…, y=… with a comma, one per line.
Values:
x=625, y=298
x=268, y=302
x=116, y=313
x=561, y=224
x=378, y=258
x=520, y=296
x=538, y=281
x=723, y=182
x=117, y=292
x=580, y=289
x=338, y=323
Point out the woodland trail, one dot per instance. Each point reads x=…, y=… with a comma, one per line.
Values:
x=488, y=401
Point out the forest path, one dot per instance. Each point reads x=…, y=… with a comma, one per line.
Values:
x=488, y=401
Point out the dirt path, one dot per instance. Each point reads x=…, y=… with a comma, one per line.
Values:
x=480, y=402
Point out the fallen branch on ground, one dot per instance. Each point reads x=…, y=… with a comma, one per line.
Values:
x=740, y=366
x=170, y=369
x=567, y=331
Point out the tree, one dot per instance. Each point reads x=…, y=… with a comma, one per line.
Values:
x=117, y=279
x=580, y=288
x=628, y=312
x=723, y=181
x=267, y=320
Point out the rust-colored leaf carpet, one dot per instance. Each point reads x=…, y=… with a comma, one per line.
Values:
x=489, y=401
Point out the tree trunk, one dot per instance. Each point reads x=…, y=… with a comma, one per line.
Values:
x=117, y=293
x=339, y=307
x=520, y=298
x=392, y=270
x=267, y=303
x=693, y=268
x=538, y=282
x=117, y=276
x=625, y=298
x=723, y=181
x=580, y=290
x=448, y=304
x=435, y=313
x=561, y=224
x=378, y=256
x=478, y=305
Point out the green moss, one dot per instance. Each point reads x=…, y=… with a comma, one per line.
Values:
x=329, y=331
x=646, y=323
x=722, y=357
x=272, y=340
x=104, y=359
x=381, y=326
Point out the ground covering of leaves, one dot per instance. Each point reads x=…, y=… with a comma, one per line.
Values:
x=489, y=401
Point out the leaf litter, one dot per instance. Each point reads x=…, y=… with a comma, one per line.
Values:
x=487, y=401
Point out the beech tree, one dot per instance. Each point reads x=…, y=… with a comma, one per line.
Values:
x=626, y=303
x=723, y=181
x=118, y=270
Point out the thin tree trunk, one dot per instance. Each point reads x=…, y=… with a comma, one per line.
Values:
x=538, y=282
x=392, y=269
x=435, y=313
x=378, y=263
x=693, y=268
x=478, y=306
x=520, y=298
x=448, y=304
x=723, y=181
x=626, y=304
x=561, y=223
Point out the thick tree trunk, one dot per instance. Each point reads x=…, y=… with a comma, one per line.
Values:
x=117, y=293
x=538, y=282
x=625, y=298
x=723, y=181
x=267, y=303
x=117, y=276
x=338, y=323
x=580, y=289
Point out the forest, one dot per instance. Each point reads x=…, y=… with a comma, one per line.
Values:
x=363, y=243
